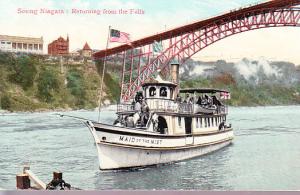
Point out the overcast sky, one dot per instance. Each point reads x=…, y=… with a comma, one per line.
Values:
x=273, y=44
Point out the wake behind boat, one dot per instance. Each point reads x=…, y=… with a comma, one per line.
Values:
x=162, y=127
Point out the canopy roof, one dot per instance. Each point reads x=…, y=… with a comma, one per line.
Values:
x=202, y=90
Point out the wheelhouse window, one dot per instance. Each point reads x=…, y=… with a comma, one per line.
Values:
x=208, y=122
x=163, y=92
x=205, y=121
x=152, y=91
x=179, y=121
x=197, y=122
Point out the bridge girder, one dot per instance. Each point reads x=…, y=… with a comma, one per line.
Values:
x=141, y=63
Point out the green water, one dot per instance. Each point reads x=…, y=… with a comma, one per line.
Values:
x=265, y=154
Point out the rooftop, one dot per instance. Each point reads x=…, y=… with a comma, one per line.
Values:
x=202, y=90
x=86, y=46
x=22, y=39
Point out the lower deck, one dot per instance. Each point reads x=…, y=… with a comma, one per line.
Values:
x=136, y=138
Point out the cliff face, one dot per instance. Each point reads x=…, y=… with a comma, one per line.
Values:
x=32, y=83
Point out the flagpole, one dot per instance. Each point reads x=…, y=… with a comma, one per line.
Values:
x=122, y=79
x=103, y=73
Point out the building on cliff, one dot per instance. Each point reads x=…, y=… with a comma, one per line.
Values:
x=86, y=51
x=19, y=44
x=59, y=47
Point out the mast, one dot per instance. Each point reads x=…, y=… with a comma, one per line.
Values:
x=103, y=73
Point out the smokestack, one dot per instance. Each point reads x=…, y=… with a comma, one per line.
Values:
x=175, y=76
x=175, y=72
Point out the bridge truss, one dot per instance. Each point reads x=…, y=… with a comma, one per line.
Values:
x=140, y=62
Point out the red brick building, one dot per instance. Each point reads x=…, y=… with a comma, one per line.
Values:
x=59, y=47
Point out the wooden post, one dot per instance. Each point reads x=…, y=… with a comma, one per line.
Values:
x=39, y=183
x=57, y=175
x=23, y=181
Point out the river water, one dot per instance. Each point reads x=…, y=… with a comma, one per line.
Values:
x=265, y=154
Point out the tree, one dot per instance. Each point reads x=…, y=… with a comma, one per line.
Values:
x=24, y=71
x=5, y=102
x=48, y=83
x=76, y=85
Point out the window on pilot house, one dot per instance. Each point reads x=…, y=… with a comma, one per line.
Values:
x=163, y=92
x=152, y=91
x=208, y=124
x=212, y=122
x=197, y=122
x=205, y=121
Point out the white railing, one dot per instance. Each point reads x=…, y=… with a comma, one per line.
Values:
x=161, y=105
x=125, y=107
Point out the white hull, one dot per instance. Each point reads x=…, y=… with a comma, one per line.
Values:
x=131, y=157
x=117, y=151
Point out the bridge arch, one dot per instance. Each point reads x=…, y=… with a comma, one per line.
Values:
x=197, y=37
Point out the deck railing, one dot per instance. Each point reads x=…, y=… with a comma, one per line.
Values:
x=125, y=107
x=170, y=106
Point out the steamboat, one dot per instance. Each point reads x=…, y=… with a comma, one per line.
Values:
x=163, y=124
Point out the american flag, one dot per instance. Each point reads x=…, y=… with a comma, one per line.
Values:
x=118, y=36
x=225, y=96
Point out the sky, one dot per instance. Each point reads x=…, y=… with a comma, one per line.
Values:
x=280, y=44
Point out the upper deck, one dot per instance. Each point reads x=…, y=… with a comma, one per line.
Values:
x=172, y=107
x=165, y=97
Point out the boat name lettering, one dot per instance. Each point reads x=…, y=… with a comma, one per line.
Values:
x=140, y=140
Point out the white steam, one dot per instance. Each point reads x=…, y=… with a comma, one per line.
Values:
x=250, y=68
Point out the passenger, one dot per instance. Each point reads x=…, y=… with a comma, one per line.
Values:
x=145, y=117
x=204, y=101
x=209, y=101
x=118, y=120
x=222, y=125
x=129, y=121
x=191, y=100
x=199, y=101
x=137, y=106
x=216, y=101
x=178, y=99
x=187, y=98
x=145, y=112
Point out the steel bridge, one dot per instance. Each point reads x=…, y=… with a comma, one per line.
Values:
x=140, y=61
